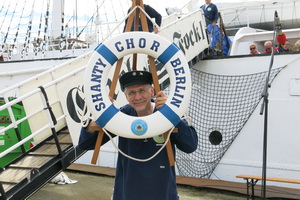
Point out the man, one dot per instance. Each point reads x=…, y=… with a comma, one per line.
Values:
x=154, y=179
x=268, y=47
x=153, y=14
x=210, y=12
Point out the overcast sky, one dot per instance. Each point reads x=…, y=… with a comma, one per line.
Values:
x=15, y=14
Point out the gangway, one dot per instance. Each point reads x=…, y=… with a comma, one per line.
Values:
x=25, y=175
x=53, y=149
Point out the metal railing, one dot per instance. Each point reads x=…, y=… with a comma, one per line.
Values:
x=40, y=91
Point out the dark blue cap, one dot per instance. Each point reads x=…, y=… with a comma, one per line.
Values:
x=135, y=78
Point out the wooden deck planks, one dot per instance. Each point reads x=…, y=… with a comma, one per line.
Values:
x=21, y=170
x=238, y=187
x=12, y=175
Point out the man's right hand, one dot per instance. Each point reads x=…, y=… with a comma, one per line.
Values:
x=92, y=127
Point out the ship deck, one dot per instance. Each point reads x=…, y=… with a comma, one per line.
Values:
x=272, y=192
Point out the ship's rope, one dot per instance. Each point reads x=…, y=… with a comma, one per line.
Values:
x=95, y=14
x=62, y=19
x=46, y=22
x=62, y=46
x=38, y=42
x=41, y=21
x=107, y=18
x=8, y=28
x=294, y=15
x=28, y=33
x=19, y=24
x=124, y=13
x=114, y=11
x=2, y=6
x=5, y=15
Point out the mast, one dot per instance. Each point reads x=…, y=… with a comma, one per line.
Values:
x=57, y=18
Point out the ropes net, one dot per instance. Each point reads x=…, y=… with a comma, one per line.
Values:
x=220, y=106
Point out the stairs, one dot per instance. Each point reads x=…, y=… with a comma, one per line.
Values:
x=35, y=168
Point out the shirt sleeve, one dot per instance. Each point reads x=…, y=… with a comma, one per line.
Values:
x=153, y=14
x=216, y=12
x=87, y=140
x=186, y=139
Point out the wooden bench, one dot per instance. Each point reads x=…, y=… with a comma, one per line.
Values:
x=252, y=180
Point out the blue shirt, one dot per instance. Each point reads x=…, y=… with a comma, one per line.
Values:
x=152, y=13
x=210, y=13
x=151, y=180
x=281, y=50
x=215, y=39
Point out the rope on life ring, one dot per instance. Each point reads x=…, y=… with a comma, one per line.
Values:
x=106, y=115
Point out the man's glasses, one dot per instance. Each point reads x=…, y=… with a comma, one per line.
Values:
x=252, y=48
x=141, y=92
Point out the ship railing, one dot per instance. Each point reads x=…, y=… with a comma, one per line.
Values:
x=47, y=117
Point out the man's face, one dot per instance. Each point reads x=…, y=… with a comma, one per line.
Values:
x=139, y=97
x=268, y=48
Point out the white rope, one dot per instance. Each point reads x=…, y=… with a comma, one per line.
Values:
x=155, y=25
x=137, y=159
x=109, y=35
x=85, y=123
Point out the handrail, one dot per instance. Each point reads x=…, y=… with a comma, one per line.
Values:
x=50, y=125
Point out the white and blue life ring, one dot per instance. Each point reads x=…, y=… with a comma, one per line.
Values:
x=109, y=117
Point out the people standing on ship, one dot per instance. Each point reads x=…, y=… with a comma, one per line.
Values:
x=153, y=14
x=215, y=45
x=154, y=179
x=268, y=47
x=210, y=12
x=253, y=50
x=284, y=48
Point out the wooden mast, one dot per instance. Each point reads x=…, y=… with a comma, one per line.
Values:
x=134, y=17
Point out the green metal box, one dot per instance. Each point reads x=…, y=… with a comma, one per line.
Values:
x=10, y=138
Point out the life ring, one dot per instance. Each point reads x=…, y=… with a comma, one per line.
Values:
x=109, y=117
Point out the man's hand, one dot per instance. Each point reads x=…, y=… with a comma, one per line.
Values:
x=155, y=30
x=160, y=99
x=92, y=127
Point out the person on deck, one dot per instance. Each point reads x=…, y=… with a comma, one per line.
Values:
x=268, y=47
x=153, y=14
x=284, y=48
x=210, y=12
x=154, y=179
x=253, y=49
x=215, y=45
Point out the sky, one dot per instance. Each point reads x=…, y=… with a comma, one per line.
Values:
x=15, y=15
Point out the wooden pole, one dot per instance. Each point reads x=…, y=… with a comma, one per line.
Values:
x=138, y=14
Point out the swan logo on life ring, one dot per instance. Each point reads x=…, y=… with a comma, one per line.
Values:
x=109, y=117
